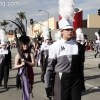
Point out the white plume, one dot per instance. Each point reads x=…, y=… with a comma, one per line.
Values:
x=66, y=9
x=96, y=33
x=82, y=36
x=2, y=35
x=55, y=36
x=58, y=35
x=44, y=28
x=79, y=32
x=45, y=31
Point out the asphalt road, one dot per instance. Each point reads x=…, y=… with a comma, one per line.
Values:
x=92, y=81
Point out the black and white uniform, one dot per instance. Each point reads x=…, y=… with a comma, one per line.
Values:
x=44, y=57
x=81, y=63
x=67, y=81
x=5, y=64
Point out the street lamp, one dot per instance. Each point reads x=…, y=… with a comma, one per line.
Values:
x=48, y=16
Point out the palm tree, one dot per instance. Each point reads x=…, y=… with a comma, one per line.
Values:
x=4, y=23
x=17, y=19
x=21, y=15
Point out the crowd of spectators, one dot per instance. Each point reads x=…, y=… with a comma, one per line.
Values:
x=90, y=45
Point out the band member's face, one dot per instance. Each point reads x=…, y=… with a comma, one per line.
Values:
x=82, y=40
x=67, y=33
x=4, y=46
x=79, y=41
x=25, y=46
x=47, y=41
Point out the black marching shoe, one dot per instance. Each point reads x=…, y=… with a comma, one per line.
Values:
x=95, y=56
x=6, y=88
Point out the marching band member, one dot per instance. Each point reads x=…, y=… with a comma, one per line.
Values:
x=44, y=55
x=5, y=60
x=44, y=51
x=27, y=62
x=64, y=59
x=24, y=60
x=80, y=40
x=97, y=45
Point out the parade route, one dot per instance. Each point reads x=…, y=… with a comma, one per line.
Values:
x=50, y=50
x=92, y=82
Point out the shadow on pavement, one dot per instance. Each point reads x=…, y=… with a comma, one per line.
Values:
x=2, y=90
x=91, y=90
x=90, y=68
x=13, y=69
x=37, y=82
x=91, y=77
x=11, y=86
x=89, y=58
x=12, y=77
x=89, y=55
x=37, y=73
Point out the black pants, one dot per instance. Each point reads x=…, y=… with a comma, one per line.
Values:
x=81, y=74
x=67, y=88
x=44, y=66
x=4, y=73
x=97, y=54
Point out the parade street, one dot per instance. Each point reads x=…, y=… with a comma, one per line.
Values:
x=92, y=81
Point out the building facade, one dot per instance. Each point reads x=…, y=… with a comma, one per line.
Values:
x=93, y=21
x=35, y=29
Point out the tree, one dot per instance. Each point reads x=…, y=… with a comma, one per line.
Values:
x=21, y=15
x=17, y=19
x=4, y=23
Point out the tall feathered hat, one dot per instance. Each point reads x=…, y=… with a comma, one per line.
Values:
x=22, y=30
x=46, y=34
x=66, y=10
x=97, y=35
x=3, y=37
x=79, y=34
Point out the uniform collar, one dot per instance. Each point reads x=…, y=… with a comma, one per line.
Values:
x=3, y=49
x=64, y=41
x=48, y=44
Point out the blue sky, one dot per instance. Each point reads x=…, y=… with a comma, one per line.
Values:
x=31, y=7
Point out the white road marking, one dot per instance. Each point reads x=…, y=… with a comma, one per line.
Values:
x=92, y=86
